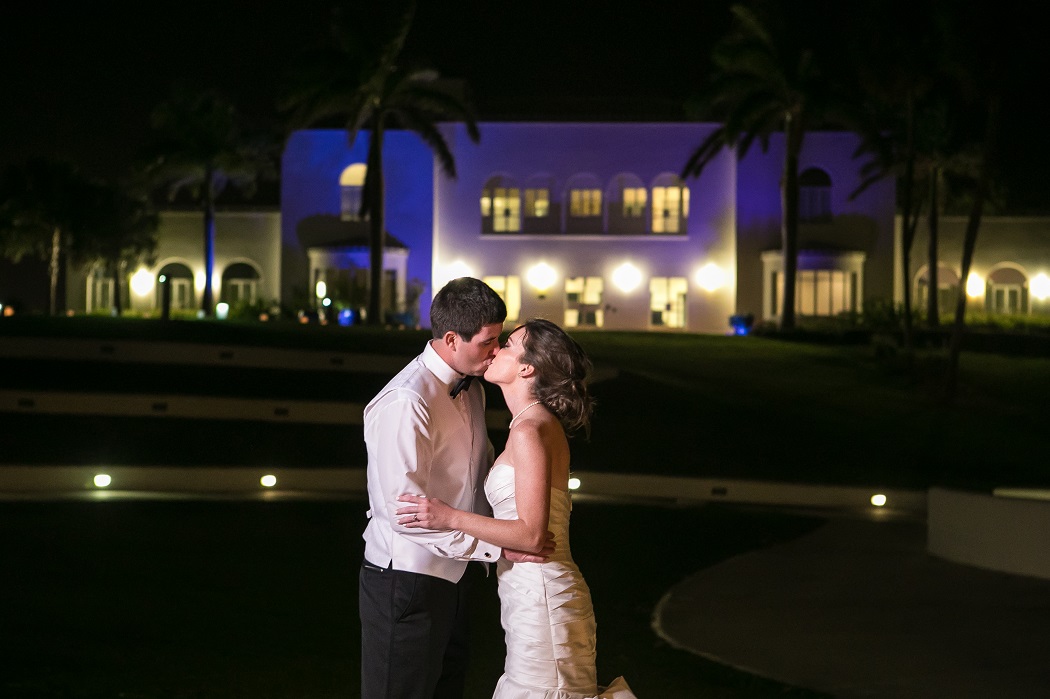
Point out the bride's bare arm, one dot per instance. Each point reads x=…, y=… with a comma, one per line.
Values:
x=528, y=453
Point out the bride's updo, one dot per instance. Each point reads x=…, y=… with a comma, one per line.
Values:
x=561, y=373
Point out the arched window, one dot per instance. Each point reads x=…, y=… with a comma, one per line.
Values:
x=1007, y=291
x=351, y=184
x=947, y=288
x=670, y=204
x=240, y=284
x=180, y=279
x=584, y=200
x=814, y=196
x=541, y=212
x=626, y=202
x=501, y=205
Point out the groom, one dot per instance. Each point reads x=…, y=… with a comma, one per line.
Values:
x=425, y=433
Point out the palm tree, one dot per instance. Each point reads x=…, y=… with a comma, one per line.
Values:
x=120, y=234
x=202, y=148
x=763, y=82
x=42, y=207
x=390, y=96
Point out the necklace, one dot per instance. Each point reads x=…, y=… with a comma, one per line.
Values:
x=511, y=425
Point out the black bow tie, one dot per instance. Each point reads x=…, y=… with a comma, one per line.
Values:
x=461, y=385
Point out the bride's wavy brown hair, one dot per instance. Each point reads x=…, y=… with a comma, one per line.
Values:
x=560, y=380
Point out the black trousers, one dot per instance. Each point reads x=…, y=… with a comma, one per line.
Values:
x=413, y=635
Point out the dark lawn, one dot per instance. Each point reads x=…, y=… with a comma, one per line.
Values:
x=143, y=599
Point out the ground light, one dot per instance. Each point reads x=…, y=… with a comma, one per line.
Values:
x=102, y=480
x=268, y=481
x=878, y=500
x=574, y=484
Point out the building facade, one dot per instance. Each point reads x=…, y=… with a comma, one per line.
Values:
x=587, y=224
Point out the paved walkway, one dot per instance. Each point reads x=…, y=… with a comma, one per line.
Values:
x=858, y=608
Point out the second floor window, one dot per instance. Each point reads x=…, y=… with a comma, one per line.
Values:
x=501, y=208
x=351, y=185
x=537, y=203
x=670, y=208
x=634, y=202
x=585, y=202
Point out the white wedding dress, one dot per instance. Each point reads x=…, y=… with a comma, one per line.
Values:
x=546, y=612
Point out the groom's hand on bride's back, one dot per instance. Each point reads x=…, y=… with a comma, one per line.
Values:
x=540, y=556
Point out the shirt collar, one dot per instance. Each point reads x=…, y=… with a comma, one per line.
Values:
x=438, y=367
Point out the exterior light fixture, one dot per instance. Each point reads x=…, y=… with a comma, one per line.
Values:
x=268, y=481
x=1040, y=287
x=574, y=483
x=627, y=277
x=222, y=310
x=541, y=276
x=326, y=302
x=710, y=277
x=321, y=289
x=142, y=282
x=878, y=500
x=198, y=281
x=102, y=480
x=974, y=286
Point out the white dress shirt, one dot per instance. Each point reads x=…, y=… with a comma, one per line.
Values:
x=421, y=441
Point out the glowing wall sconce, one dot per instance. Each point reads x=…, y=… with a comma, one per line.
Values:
x=974, y=286
x=102, y=480
x=321, y=289
x=574, y=483
x=541, y=277
x=458, y=269
x=142, y=282
x=1040, y=287
x=710, y=277
x=878, y=500
x=627, y=277
x=198, y=281
x=268, y=481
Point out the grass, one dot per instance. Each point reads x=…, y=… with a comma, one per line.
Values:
x=181, y=599
x=680, y=404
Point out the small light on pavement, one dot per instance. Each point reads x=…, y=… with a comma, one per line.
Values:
x=268, y=481
x=102, y=480
x=878, y=500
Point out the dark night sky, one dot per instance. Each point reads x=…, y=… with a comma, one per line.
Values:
x=79, y=81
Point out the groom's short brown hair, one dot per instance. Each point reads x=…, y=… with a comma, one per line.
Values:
x=463, y=306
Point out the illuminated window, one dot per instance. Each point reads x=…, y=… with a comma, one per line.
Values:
x=583, y=302
x=1007, y=291
x=667, y=301
x=501, y=206
x=821, y=292
x=180, y=279
x=537, y=203
x=240, y=284
x=670, y=205
x=99, y=291
x=814, y=196
x=634, y=202
x=351, y=185
x=585, y=202
x=509, y=289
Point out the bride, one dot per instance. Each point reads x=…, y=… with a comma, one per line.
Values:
x=546, y=607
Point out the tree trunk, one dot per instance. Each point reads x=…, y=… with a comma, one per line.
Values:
x=789, y=219
x=973, y=224
x=207, y=297
x=118, y=285
x=933, y=310
x=376, y=241
x=911, y=222
x=56, y=248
